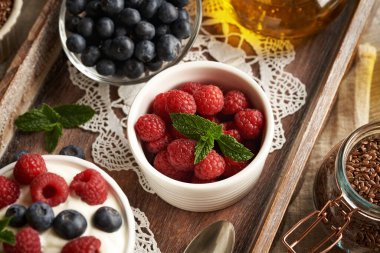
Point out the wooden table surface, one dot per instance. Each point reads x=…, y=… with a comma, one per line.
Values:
x=32, y=8
x=302, y=204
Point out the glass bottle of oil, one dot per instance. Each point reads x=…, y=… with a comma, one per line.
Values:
x=286, y=18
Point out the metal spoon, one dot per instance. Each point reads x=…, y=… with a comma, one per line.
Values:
x=219, y=237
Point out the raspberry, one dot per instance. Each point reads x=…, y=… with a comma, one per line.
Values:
x=234, y=133
x=209, y=100
x=249, y=122
x=181, y=154
x=190, y=87
x=49, y=188
x=9, y=191
x=159, y=106
x=175, y=134
x=162, y=164
x=211, y=167
x=158, y=145
x=179, y=101
x=28, y=167
x=27, y=241
x=234, y=101
x=90, y=186
x=150, y=127
x=233, y=167
x=84, y=244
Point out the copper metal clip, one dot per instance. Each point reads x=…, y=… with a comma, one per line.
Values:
x=321, y=216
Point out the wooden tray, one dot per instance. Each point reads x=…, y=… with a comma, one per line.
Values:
x=39, y=74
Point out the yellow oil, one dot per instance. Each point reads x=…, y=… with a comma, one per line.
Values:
x=286, y=18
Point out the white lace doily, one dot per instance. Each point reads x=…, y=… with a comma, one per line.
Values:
x=287, y=94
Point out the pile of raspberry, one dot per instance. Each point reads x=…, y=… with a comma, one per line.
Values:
x=172, y=153
x=51, y=190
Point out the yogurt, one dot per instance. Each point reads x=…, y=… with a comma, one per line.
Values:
x=67, y=167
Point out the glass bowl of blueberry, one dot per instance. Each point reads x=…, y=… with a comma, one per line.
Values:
x=122, y=42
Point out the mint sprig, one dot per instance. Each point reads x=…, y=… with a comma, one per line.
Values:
x=6, y=235
x=206, y=132
x=53, y=120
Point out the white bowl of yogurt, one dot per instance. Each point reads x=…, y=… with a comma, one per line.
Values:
x=120, y=241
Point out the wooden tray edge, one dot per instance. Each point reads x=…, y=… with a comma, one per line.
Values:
x=29, y=68
x=316, y=115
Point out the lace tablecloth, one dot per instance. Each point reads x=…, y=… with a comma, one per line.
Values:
x=270, y=56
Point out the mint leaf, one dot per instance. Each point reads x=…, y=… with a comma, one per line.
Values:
x=8, y=237
x=50, y=113
x=52, y=137
x=194, y=126
x=34, y=120
x=233, y=149
x=202, y=149
x=4, y=223
x=74, y=115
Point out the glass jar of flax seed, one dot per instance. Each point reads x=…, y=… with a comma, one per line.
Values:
x=347, y=195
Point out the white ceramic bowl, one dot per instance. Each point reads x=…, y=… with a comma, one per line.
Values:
x=65, y=162
x=211, y=196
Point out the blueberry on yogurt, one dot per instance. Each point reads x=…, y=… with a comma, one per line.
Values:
x=107, y=219
x=69, y=224
x=40, y=216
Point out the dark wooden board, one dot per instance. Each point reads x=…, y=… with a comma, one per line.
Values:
x=320, y=63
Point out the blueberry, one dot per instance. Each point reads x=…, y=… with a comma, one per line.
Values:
x=112, y=6
x=105, y=67
x=144, y=30
x=71, y=23
x=107, y=219
x=72, y=150
x=168, y=47
x=145, y=51
x=154, y=64
x=132, y=3
x=76, y=43
x=183, y=14
x=19, y=153
x=162, y=29
x=93, y=9
x=17, y=214
x=181, y=29
x=89, y=58
x=40, y=216
x=129, y=16
x=132, y=68
x=75, y=6
x=69, y=224
x=167, y=12
x=105, y=27
x=149, y=7
x=121, y=48
x=86, y=27
x=120, y=31
x=179, y=3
